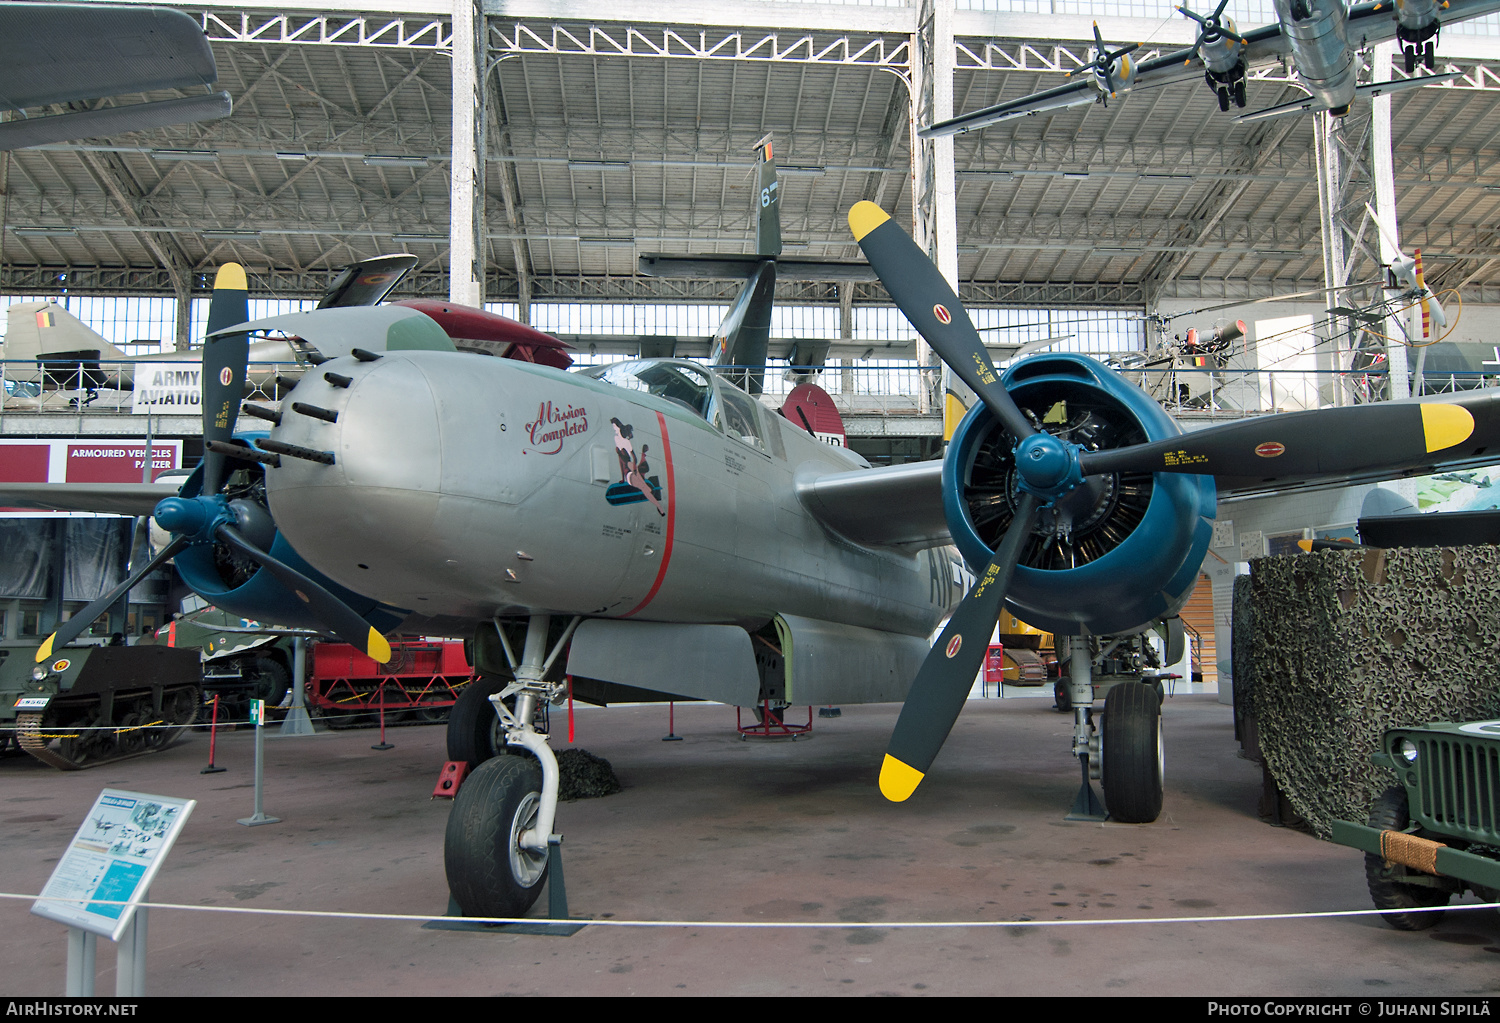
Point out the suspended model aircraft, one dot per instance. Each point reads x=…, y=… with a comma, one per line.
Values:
x=648, y=529
x=1319, y=36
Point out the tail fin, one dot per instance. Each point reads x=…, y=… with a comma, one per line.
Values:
x=742, y=339
x=768, y=201
x=45, y=329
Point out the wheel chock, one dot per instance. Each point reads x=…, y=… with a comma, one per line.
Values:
x=450, y=778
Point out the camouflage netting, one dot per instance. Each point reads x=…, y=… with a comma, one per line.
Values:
x=581, y=775
x=1345, y=644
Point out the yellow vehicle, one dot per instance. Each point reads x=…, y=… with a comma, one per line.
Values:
x=1028, y=651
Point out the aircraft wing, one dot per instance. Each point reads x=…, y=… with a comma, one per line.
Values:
x=1373, y=22
x=892, y=506
x=106, y=498
x=59, y=53
x=1077, y=91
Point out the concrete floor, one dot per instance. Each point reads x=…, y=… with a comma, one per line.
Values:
x=715, y=829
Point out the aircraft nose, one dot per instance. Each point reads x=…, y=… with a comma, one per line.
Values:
x=379, y=422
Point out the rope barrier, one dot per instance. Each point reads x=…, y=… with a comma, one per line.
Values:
x=768, y=924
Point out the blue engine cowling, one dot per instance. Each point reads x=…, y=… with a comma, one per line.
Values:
x=232, y=583
x=1114, y=554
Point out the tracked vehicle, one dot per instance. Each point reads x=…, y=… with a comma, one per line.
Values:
x=92, y=705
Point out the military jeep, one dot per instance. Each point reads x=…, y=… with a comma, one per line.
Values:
x=1438, y=831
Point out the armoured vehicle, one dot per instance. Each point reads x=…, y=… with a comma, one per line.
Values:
x=90, y=705
x=238, y=665
x=1437, y=832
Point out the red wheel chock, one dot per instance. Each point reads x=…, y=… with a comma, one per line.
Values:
x=450, y=778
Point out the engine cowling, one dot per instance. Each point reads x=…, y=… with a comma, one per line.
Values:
x=1115, y=553
x=234, y=583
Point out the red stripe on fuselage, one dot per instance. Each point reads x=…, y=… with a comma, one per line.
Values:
x=666, y=552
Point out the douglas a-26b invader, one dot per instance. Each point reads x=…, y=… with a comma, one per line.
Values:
x=647, y=528
x=1320, y=36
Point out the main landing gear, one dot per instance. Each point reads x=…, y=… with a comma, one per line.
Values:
x=497, y=848
x=1124, y=751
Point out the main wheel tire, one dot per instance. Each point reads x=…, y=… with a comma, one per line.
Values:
x=1389, y=812
x=1132, y=755
x=474, y=730
x=489, y=874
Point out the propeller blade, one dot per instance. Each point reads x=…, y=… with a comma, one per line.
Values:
x=327, y=608
x=75, y=626
x=1357, y=437
x=922, y=294
x=946, y=676
x=225, y=363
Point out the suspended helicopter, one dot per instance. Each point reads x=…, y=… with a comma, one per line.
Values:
x=1320, y=38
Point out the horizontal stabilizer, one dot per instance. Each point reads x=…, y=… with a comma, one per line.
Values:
x=739, y=268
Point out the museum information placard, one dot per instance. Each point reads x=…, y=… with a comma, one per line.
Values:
x=111, y=861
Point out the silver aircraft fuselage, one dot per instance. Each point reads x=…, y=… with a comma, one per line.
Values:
x=465, y=486
x=1320, y=48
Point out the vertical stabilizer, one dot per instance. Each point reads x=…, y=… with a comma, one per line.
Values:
x=46, y=329
x=768, y=202
x=742, y=339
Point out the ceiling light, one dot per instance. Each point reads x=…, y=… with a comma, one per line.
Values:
x=999, y=175
x=229, y=235
x=608, y=243
x=390, y=160
x=288, y=155
x=45, y=232
x=1075, y=175
x=804, y=169
x=598, y=165
x=190, y=155
x=413, y=237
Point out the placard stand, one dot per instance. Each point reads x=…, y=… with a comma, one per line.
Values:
x=103, y=877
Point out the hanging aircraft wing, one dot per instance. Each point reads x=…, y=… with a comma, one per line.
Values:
x=63, y=53
x=1367, y=23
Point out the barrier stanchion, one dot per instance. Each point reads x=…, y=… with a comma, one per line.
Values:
x=213, y=731
x=382, y=744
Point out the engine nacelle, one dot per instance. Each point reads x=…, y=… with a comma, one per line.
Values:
x=1114, y=554
x=234, y=583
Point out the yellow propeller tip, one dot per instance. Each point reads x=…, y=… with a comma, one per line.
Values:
x=45, y=651
x=898, y=780
x=231, y=277
x=377, y=648
x=1445, y=425
x=1306, y=546
x=864, y=217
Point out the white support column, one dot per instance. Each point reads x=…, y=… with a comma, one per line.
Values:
x=466, y=224
x=1382, y=168
x=934, y=200
x=1335, y=263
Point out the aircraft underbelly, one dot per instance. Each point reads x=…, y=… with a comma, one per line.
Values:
x=1320, y=46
